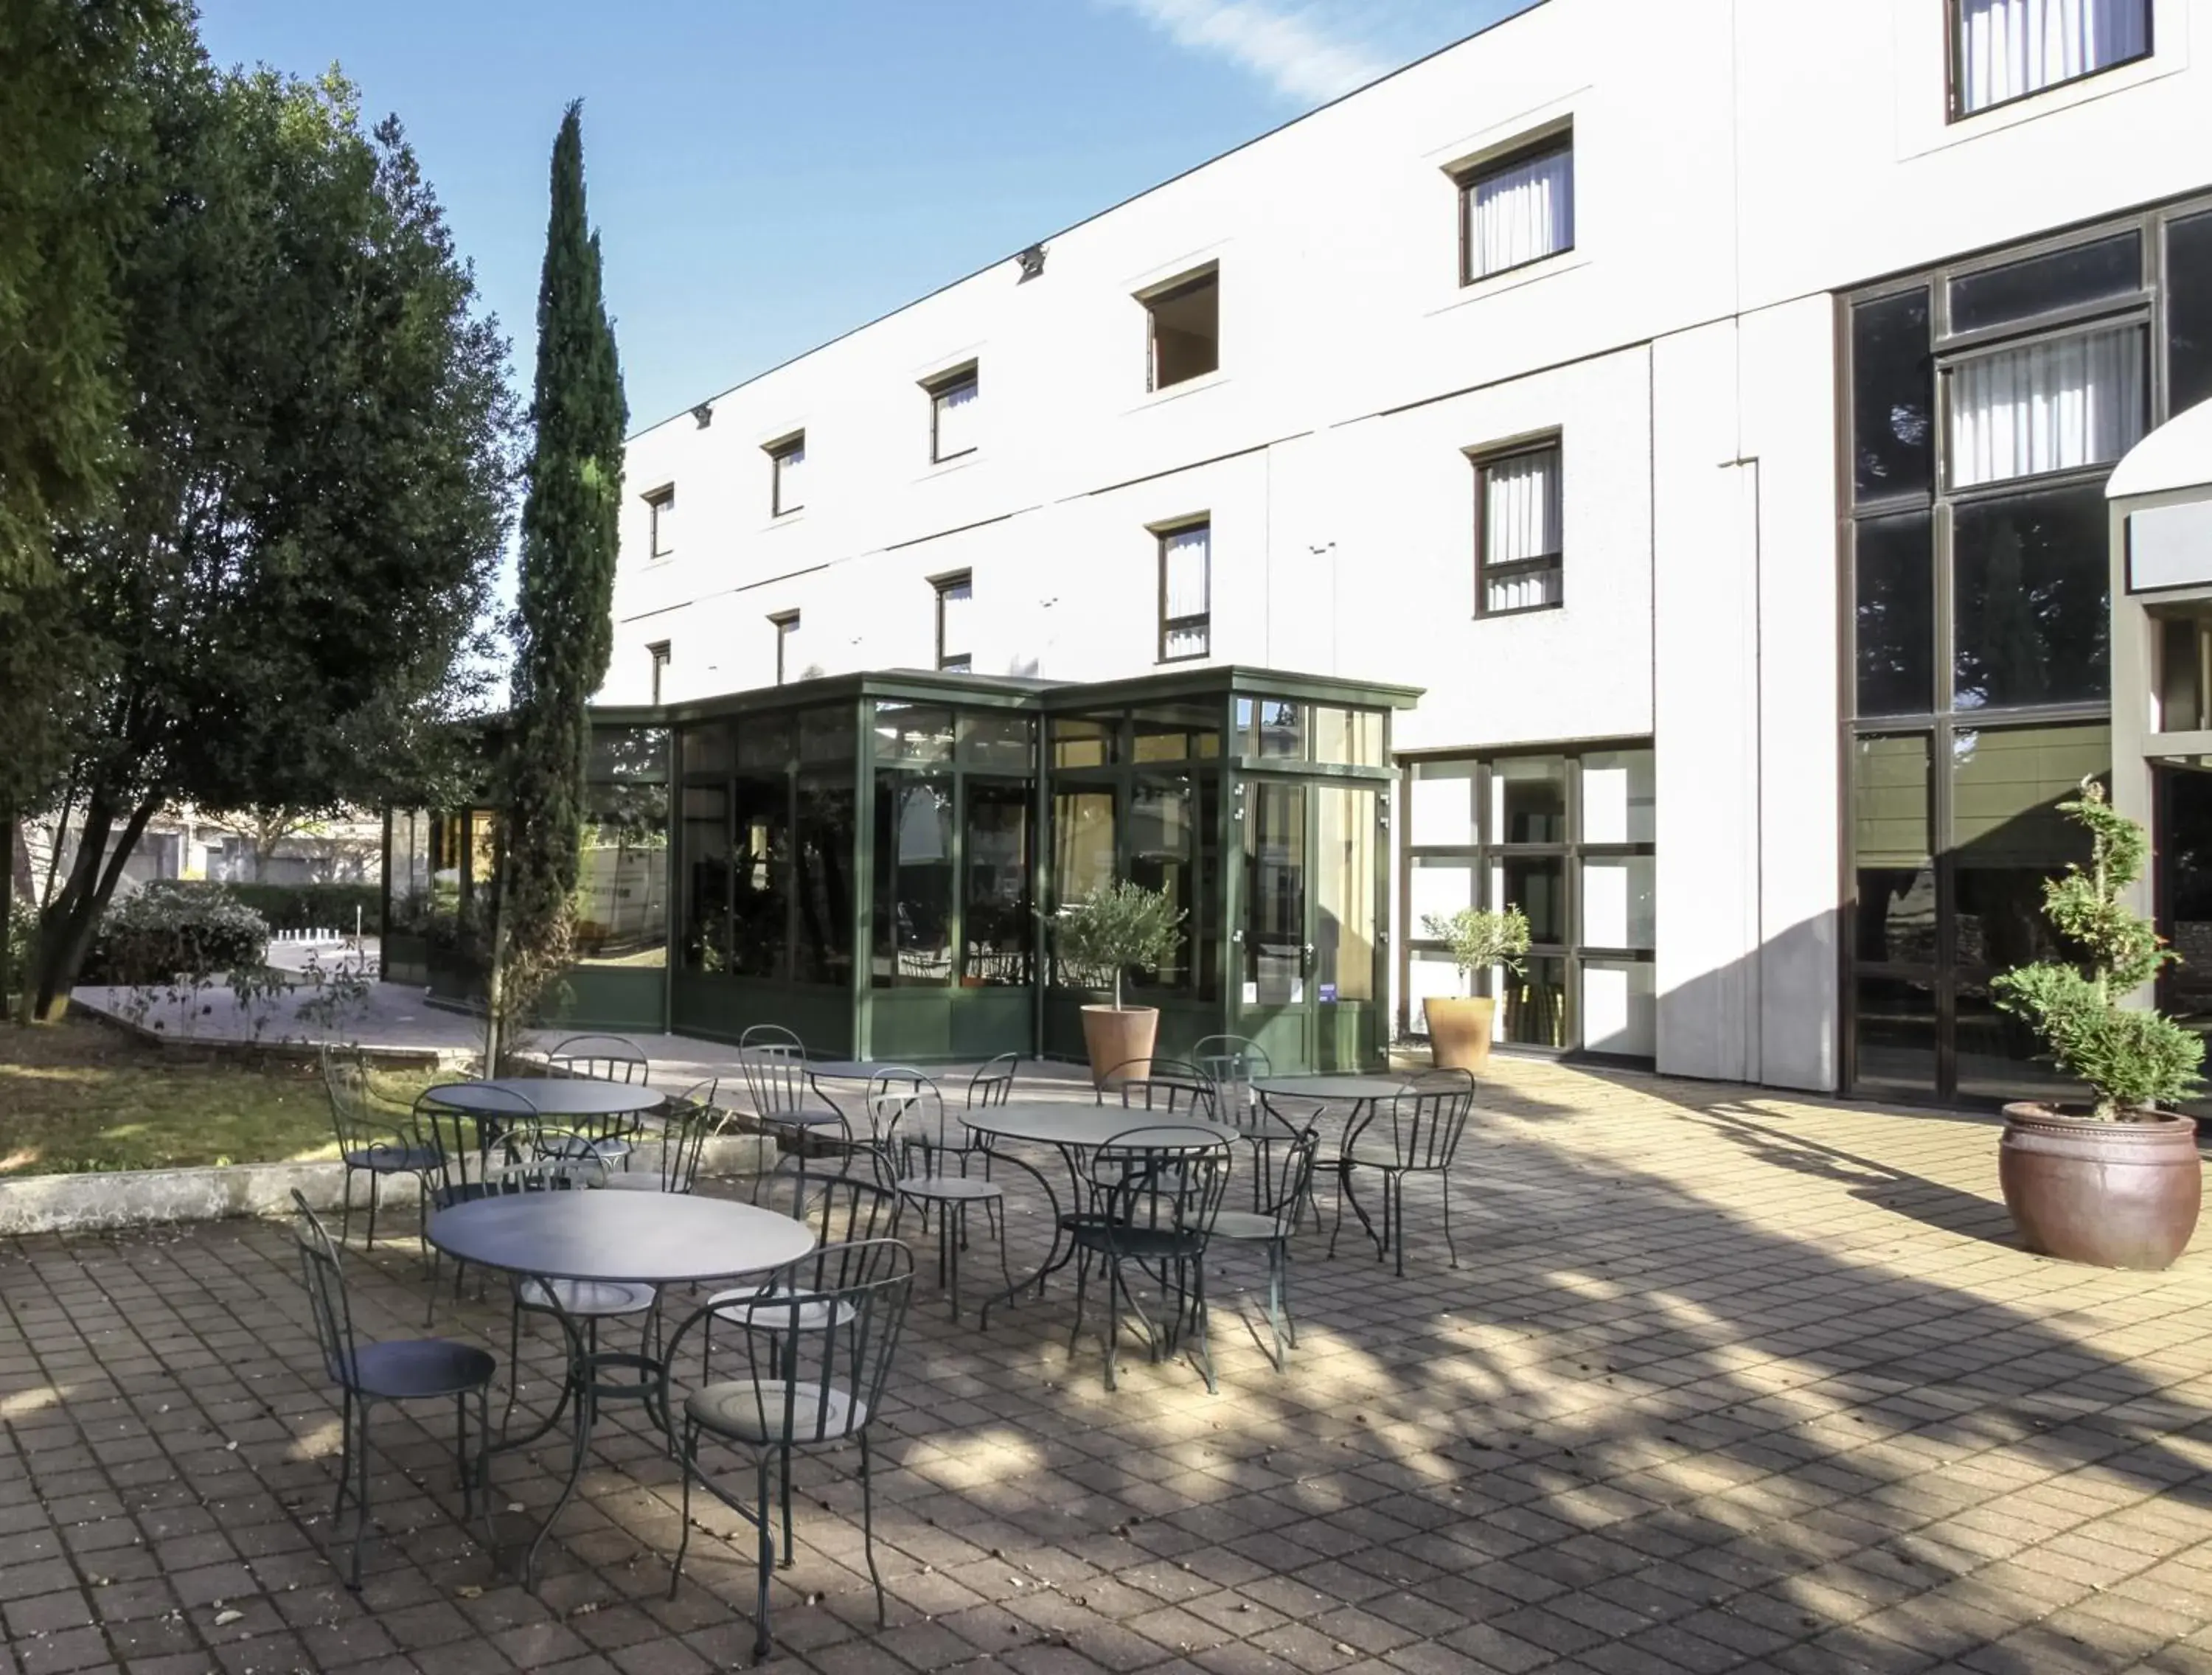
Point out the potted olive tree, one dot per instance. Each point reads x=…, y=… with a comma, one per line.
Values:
x=2118, y=1184
x=1459, y=1026
x=1116, y=926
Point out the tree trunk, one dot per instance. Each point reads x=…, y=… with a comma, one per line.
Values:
x=67, y=926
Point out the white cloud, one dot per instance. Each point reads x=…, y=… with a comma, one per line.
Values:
x=1309, y=52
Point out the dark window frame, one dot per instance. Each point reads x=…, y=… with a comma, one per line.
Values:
x=1202, y=621
x=657, y=501
x=658, y=651
x=939, y=387
x=785, y=623
x=952, y=662
x=1182, y=285
x=1955, y=104
x=1469, y=178
x=780, y=453
x=1552, y=442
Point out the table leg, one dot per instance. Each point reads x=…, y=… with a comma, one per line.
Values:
x=1056, y=1258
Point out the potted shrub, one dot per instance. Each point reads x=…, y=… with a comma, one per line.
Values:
x=1118, y=925
x=1459, y=1026
x=2118, y=1184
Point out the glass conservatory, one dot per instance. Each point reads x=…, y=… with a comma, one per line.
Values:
x=872, y=861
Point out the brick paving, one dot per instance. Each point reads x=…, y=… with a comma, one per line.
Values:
x=1727, y=1381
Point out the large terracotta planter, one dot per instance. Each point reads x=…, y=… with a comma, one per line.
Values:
x=2116, y=1194
x=1116, y=1037
x=1459, y=1030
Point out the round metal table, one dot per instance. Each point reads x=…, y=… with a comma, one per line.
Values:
x=635, y=1238
x=1331, y=1089
x=548, y=1095
x=1072, y=1130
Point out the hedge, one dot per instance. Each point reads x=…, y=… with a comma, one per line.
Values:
x=306, y=907
x=160, y=933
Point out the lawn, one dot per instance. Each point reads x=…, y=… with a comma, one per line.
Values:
x=79, y=1096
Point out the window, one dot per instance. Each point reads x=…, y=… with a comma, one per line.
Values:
x=953, y=410
x=2002, y=49
x=2054, y=405
x=1517, y=514
x=661, y=513
x=1517, y=209
x=787, y=475
x=954, y=595
x=658, y=654
x=1185, y=591
x=787, y=631
x=1183, y=323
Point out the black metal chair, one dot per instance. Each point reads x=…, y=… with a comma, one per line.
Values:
x=369, y=1142
x=475, y=1148
x=1156, y=1189
x=1283, y=1169
x=607, y=1058
x=1233, y=1063
x=689, y=1120
x=785, y=1104
x=397, y=1370
x=934, y=1152
x=993, y=1085
x=1165, y=1087
x=816, y=1364
x=1426, y=1121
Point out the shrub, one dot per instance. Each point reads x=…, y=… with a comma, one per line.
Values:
x=1481, y=937
x=163, y=933
x=1119, y=926
x=306, y=907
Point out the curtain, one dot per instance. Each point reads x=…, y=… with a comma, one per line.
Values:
x=790, y=480
x=2011, y=47
x=1520, y=522
x=2046, y=407
x=1522, y=213
x=956, y=412
x=1186, y=589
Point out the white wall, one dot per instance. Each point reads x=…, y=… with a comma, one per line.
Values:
x=1735, y=166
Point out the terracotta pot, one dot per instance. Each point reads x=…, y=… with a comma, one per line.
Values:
x=1459, y=1030
x=1114, y=1038
x=2116, y=1194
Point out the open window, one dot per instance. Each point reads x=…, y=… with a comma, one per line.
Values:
x=1183, y=321
x=954, y=408
x=955, y=594
x=660, y=515
x=787, y=474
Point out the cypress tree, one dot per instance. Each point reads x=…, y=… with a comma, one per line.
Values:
x=564, y=626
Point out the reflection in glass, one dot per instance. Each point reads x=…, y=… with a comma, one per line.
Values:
x=1082, y=863
x=1620, y=797
x=1895, y=1025
x=1344, y=894
x=628, y=753
x=912, y=915
x=1537, y=884
x=1894, y=617
x=995, y=739
x=2039, y=284
x=1275, y=875
x=913, y=732
x=1893, y=396
x=1617, y=902
x=995, y=904
x=1999, y=1057
x=1084, y=742
x=2008, y=835
x=1891, y=850
x=1620, y=1007
x=1350, y=737
x=1528, y=800
x=1532, y=1005
x=708, y=747
x=1443, y=805
x=1176, y=733
x=760, y=866
x=2031, y=571
x=622, y=878
x=1270, y=727
x=1163, y=843
x=706, y=944
x=827, y=825
x=768, y=741
x=826, y=734
x=2188, y=312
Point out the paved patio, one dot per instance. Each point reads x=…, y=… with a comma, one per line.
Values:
x=1727, y=1382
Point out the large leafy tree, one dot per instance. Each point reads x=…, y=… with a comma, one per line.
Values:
x=282, y=591
x=563, y=621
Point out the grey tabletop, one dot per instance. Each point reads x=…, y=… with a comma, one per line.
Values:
x=850, y=1070
x=643, y=1238
x=550, y=1096
x=1331, y=1089
x=1063, y=1124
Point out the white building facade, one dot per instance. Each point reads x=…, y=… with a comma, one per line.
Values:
x=1672, y=393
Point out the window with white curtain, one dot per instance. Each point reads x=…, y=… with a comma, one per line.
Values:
x=2007, y=49
x=787, y=475
x=2054, y=405
x=954, y=595
x=1519, y=543
x=1517, y=211
x=954, y=409
x=1185, y=591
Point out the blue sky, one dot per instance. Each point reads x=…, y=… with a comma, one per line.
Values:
x=767, y=176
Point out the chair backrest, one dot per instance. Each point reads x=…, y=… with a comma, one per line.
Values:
x=841, y=1209
x=608, y=1058
x=324, y=1282
x=473, y=1146
x=692, y=1119
x=1428, y=1116
x=774, y=1069
x=546, y=1157
x=353, y=1114
x=1157, y=1178
x=993, y=1084
x=1170, y=1087
x=818, y=1372
x=1285, y=1163
x=1233, y=1063
x=899, y=1097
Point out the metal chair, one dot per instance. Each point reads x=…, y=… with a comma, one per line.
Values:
x=1233, y=1063
x=607, y=1058
x=994, y=1083
x=933, y=1153
x=783, y=1100
x=398, y=1370
x=1167, y=1087
x=1283, y=1167
x=691, y=1120
x=370, y=1144
x=1426, y=1121
x=817, y=1361
x=1156, y=1190
x=474, y=1149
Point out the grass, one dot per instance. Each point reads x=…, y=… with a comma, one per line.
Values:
x=78, y=1096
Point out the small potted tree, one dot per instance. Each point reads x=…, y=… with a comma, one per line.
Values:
x=1116, y=926
x=2119, y=1184
x=1459, y=1026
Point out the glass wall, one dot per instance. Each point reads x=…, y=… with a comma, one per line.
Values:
x=622, y=881
x=1990, y=402
x=1568, y=838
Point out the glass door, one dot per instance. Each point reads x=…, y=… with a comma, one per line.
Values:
x=1312, y=906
